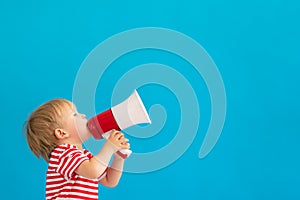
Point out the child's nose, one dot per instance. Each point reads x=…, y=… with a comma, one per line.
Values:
x=83, y=116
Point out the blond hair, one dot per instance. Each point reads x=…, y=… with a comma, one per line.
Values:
x=41, y=125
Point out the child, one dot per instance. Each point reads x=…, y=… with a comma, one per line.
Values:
x=56, y=131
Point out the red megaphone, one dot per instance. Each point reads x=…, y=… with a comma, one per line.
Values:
x=128, y=113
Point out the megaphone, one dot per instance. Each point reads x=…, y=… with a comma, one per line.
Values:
x=124, y=115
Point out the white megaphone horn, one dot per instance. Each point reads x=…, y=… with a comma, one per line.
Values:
x=128, y=113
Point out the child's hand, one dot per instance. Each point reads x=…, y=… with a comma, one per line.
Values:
x=118, y=140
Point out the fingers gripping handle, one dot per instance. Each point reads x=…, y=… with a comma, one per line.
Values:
x=124, y=153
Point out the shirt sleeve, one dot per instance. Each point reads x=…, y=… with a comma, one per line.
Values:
x=103, y=174
x=69, y=161
x=89, y=155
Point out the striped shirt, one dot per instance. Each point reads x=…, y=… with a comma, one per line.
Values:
x=62, y=182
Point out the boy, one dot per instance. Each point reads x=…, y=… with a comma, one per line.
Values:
x=56, y=131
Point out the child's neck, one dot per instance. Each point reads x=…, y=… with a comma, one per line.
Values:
x=79, y=146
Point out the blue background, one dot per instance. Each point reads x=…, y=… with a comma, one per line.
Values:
x=255, y=45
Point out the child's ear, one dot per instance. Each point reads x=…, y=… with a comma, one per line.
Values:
x=60, y=134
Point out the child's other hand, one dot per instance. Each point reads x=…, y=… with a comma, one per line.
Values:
x=118, y=140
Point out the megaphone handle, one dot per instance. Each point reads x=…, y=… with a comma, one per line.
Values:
x=106, y=135
x=124, y=153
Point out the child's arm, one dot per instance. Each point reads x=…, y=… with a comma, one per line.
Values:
x=114, y=172
x=97, y=165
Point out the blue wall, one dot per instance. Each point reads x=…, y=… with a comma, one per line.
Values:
x=255, y=45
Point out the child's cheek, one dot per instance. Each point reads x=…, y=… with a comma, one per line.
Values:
x=81, y=126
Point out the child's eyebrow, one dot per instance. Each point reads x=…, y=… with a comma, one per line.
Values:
x=74, y=107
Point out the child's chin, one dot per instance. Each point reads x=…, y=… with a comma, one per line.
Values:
x=87, y=136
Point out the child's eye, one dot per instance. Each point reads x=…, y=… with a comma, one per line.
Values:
x=75, y=114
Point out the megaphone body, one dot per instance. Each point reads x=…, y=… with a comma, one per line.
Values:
x=124, y=115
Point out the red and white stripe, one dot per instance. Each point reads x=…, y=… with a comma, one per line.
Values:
x=62, y=182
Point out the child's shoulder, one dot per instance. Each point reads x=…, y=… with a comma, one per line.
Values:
x=63, y=149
